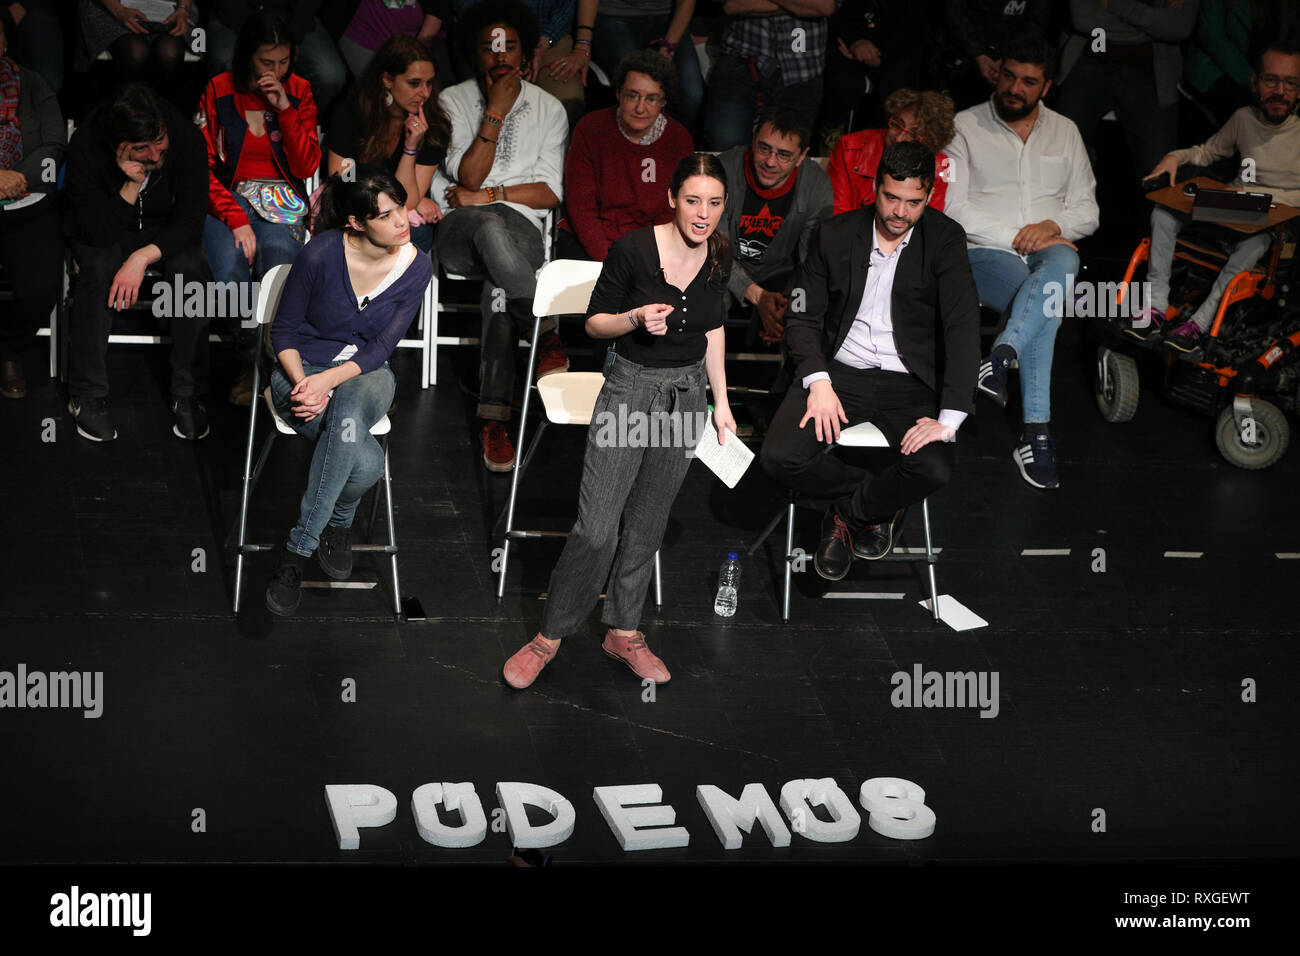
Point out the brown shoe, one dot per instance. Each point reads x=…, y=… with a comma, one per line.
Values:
x=632, y=651
x=551, y=357
x=241, y=393
x=527, y=662
x=12, y=383
x=498, y=451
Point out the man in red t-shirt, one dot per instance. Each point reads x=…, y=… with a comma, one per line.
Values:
x=774, y=202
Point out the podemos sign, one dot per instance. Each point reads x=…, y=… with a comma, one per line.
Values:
x=640, y=821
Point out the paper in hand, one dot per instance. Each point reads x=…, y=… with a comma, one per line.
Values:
x=730, y=461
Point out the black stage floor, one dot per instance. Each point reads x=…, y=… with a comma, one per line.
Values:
x=1121, y=732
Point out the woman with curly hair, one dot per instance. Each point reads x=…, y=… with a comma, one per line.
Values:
x=394, y=122
x=926, y=117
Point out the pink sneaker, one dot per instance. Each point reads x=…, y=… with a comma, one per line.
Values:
x=633, y=652
x=522, y=669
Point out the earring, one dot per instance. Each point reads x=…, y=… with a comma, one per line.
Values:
x=388, y=98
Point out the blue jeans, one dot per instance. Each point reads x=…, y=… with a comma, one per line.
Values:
x=318, y=60
x=734, y=100
x=348, y=460
x=275, y=246
x=1021, y=290
x=616, y=37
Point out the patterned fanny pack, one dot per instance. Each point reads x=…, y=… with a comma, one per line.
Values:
x=274, y=201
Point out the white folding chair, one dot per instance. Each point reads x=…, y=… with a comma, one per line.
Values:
x=568, y=398
x=863, y=435
x=268, y=301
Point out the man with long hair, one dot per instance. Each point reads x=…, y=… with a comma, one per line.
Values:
x=504, y=170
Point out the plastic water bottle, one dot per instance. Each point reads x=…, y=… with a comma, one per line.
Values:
x=728, y=580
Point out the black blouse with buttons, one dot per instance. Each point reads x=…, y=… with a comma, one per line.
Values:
x=632, y=277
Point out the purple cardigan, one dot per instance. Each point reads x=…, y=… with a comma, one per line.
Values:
x=318, y=312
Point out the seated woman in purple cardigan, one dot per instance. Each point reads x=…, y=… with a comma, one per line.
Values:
x=351, y=294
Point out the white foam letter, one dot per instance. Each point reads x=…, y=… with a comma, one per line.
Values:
x=729, y=816
x=618, y=807
x=456, y=797
x=525, y=836
x=354, y=805
x=821, y=793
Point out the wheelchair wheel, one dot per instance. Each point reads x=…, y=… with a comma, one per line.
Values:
x=1117, y=385
x=1260, y=444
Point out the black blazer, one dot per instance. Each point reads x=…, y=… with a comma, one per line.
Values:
x=934, y=305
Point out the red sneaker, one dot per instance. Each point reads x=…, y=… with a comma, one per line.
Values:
x=498, y=451
x=551, y=357
x=527, y=662
x=632, y=651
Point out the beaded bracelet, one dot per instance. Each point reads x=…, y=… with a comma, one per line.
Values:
x=492, y=194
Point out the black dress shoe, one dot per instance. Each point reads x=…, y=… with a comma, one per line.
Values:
x=12, y=382
x=875, y=540
x=835, y=552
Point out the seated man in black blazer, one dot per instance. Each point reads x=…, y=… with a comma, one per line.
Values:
x=889, y=333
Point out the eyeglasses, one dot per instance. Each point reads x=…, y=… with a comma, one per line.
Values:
x=1272, y=80
x=897, y=124
x=653, y=99
x=763, y=151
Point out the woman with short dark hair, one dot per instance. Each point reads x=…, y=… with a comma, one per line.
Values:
x=352, y=292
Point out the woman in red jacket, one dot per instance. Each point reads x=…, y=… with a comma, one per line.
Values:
x=259, y=122
x=927, y=117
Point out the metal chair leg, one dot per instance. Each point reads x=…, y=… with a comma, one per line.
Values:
x=930, y=558
x=789, y=558
x=519, y=443
x=249, y=478
x=427, y=320
x=433, y=300
x=659, y=584
x=392, y=531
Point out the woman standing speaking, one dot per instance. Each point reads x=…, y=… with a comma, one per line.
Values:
x=661, y=297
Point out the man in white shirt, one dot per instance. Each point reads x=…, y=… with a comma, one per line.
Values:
x=1022, y=186
x=504, y=169
x=1267, y=134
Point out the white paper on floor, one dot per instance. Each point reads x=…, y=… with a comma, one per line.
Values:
x=955, y=614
